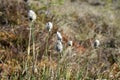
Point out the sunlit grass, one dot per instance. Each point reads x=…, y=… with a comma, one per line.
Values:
x=27, y=50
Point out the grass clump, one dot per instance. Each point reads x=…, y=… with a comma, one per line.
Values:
x=28, y=49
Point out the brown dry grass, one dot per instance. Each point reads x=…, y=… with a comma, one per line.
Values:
x=77, y=21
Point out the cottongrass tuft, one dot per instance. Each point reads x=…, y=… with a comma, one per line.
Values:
x=70, y=43
x=32, y=15
x=96, y=43
x=59, y=36
x=59, y=46
x=49, y=26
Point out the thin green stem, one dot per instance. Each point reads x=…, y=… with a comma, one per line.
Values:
x=28, y=57
x=33, y=41
x=47, y=43
x=29, y=38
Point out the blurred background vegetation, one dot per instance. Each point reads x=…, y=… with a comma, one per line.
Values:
x=81, y=21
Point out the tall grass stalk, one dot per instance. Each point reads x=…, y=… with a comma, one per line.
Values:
x=28, y=51
x=31, y=37
x=47, y=41
x=33, y=41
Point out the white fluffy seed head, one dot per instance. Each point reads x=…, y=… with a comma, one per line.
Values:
x=32, y=15
x=96, y=43
x=59, y=36
x=70, y=43
x=49, y=26
x=59, y=46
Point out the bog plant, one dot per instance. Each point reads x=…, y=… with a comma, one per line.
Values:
x=59, y=46
x=32, y=17
x=49, y=26
x=69, y=66
x=59, y=36
x=96, y=43
x=70, y=43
